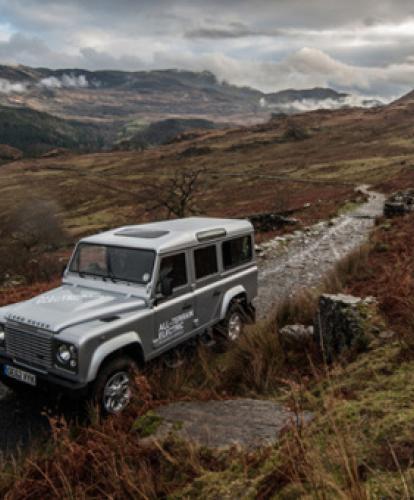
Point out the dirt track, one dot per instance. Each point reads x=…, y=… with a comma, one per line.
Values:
x=302, y=259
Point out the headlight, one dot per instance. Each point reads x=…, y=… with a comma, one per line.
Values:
x=67, y=355
x=63, y=354
x=2, y=336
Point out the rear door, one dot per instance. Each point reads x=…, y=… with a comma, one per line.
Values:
x=174, y=315
x=207, y=287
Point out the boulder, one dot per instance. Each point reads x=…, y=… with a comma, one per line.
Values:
x=345, y=324
x=248, y=423
x=399, y=203
x=299, y=333
x=271, y=221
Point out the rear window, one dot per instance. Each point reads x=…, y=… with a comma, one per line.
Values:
x=205, y=261
x=237, y=252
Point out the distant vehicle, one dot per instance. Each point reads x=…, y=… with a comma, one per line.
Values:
x=127, y=296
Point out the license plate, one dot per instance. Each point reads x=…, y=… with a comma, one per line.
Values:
x=20, y=375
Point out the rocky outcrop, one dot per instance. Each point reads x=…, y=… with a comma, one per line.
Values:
x=345, y=324
x=53, y=153
x=399, y=203
x=8, y=153
x=270, y=221
x=249, y=423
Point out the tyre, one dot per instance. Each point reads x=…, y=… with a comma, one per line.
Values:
x=232, y=327
x=112, y=389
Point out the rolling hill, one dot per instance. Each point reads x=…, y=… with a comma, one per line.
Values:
x=35, y=133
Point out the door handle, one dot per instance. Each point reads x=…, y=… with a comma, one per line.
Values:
x=216, y=293
x=186, y=307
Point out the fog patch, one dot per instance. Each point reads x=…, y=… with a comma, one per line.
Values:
x=65, y=81
x=304, y=105
x=8, y=87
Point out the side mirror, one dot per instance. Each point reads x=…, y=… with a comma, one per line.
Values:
x=63, y=270
x=166, y=286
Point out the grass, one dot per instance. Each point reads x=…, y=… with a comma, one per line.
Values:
x=147, y=424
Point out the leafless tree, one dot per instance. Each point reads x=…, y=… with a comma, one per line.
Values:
x=177, y=195
x=30, y=230
x=36, y=225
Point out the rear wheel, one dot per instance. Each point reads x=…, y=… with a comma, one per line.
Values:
x=235, y=325
x=232, y=327
x=112, y=389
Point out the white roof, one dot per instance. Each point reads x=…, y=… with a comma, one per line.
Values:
x=173, y=234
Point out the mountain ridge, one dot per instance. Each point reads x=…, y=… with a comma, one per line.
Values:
x=155, y=93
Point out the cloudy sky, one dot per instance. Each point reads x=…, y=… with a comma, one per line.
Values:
x=363, y=46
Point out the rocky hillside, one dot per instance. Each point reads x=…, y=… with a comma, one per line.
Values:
x=114, y=95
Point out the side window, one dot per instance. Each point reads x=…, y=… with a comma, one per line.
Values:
x=174, y=267
x=205, y=261
x=237, y=252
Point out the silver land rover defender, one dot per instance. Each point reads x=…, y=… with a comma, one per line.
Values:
x=127, y=296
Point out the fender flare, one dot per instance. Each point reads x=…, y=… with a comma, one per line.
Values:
x=228, y=297
x=112, y=345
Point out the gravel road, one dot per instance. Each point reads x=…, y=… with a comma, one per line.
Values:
x=287, y=264
x=301, y=259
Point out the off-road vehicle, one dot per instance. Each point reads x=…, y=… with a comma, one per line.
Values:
x=127, y=296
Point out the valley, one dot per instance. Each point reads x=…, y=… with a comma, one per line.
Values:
x=90, y=111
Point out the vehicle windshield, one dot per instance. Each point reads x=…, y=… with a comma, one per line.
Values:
x=116, y=263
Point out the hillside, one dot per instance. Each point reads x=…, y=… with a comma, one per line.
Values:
x=345, y=146
x=308, y=165
x=35, y=132
x=136, y=135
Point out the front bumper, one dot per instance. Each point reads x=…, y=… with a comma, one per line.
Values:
x=45, y=380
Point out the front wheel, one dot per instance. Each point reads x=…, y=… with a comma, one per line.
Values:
x=112, y=389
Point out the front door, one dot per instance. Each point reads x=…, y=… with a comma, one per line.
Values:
x=174, y=315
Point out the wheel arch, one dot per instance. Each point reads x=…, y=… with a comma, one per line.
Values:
x=238, y=293
x=127, y=344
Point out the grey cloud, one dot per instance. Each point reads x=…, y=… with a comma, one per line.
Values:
x=232, y=30
x=268, y=44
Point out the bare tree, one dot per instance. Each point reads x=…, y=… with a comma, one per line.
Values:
x=177, y=195
x=28, y=233
x=36, y=225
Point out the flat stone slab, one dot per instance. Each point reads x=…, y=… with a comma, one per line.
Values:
x=249, y=423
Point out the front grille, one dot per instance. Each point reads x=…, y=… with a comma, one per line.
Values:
x=33, y=348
